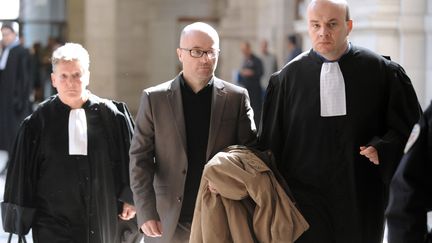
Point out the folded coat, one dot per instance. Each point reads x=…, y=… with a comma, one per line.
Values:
x=239, y=175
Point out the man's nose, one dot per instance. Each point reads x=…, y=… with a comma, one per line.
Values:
x=205, y=57
x=324, y=31
x=69, y=81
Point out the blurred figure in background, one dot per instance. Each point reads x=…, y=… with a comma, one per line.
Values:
x=269, y=64
x=52, y=45
x=250, y=78
x=15, y=86
x=293, y=46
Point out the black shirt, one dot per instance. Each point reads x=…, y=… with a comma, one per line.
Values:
x=196, y=110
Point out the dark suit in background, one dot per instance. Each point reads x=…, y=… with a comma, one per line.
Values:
x=15, y=86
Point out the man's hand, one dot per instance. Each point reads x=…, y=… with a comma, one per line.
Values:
x=212, y=188
x=152, y=228
x=371, y=153
x=128, y=212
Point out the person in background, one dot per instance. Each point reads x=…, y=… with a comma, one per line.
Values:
x=52, y=44
x=250, y=77
x=337, y=118
x=68, y=175
x=269, y=64
x=293, y=47
x=180, y=125
x=411, y=187
x=15, y=86
x=36, y=69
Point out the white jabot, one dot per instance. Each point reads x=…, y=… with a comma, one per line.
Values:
x=332, y=90
x=77, y=132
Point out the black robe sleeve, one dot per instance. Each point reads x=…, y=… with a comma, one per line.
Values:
x=127, y=125
x=120, y=137
x=18, y=207
x=411, y=189
x=271, y=126
x=403, y=111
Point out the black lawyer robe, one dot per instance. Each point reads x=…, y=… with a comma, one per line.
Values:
x=74, y=198
x=411, y=188
x=15, y=88
x=341, y=193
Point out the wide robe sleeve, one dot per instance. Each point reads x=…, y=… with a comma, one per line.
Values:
x=127, y=126
x=411, y=187
x=18, y=208
x=246, y=126
x=271, y=126
x=121, y=130
x=403, y=111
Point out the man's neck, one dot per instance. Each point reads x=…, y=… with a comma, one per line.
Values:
x=336, y=56
x=76, y=104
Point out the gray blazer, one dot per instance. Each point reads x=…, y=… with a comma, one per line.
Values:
x=158, y=159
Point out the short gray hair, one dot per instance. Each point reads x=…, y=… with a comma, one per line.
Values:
x=71, y=52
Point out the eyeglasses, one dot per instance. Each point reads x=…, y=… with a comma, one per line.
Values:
x=197, y=53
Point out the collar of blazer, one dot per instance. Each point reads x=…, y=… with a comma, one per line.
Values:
x=218, y=84
x=218, y=102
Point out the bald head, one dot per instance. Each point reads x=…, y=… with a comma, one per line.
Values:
x=200, y=27
x=338, y=3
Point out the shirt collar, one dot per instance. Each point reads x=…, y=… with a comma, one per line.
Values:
x=185, y=86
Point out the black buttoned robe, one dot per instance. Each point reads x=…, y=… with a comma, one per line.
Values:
x=62, y=197
x=340, y=192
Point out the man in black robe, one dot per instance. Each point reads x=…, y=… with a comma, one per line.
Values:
x=15, y=86
x=411, y=187
x=68, y=173
x=337, y=119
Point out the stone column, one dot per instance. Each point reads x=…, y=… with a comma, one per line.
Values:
x=275, y=21
x=100, y=39
x=428, y=53
x=375, y=26
x=132, y=48
x=413, y=44
x=76, y=21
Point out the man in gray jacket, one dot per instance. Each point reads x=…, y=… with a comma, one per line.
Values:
x=180, y=125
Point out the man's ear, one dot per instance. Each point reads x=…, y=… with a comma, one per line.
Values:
x=350, y=25
x=88, y=78
x=53, y=80
x=179, y=55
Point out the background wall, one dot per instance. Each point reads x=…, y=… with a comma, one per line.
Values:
x=133, y=42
